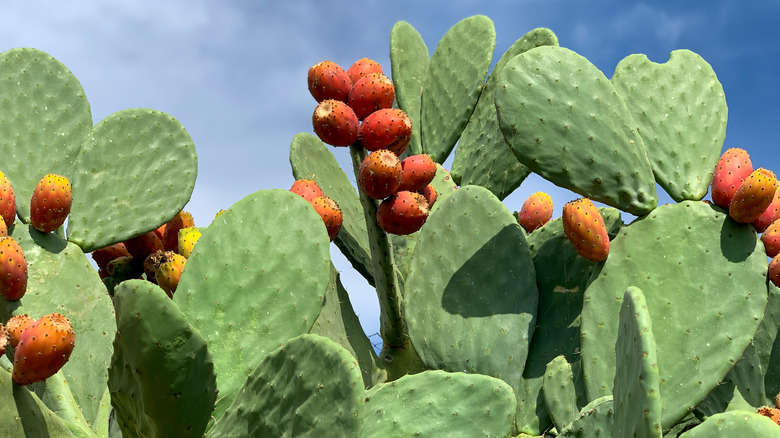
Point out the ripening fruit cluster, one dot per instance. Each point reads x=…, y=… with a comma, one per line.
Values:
x=41, y=347
x=751, y=197
x=355, y=108
x=158, y=256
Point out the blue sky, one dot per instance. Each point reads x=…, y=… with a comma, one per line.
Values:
x=234, y=72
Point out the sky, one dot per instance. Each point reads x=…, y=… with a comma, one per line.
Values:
x=234, y=72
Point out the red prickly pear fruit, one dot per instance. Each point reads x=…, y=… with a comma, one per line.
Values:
x=403, y=214
x=103, y=256
x=16, y=327
x=380, y=174
x=160, y=231
x=307, y=188
x=4, y=340
x=187, y=239
x=182, y=220
x=417, y=172
x=141, y=246
x=536, y=211
x=3, y=229
x=13, y=270
x=44, y=349
x=585, y=229
x=370, y=93
x=774, y=270
x=363, y=67
x=771, y=239
x=51, y=202
x=169, y=272
x=335, y=123
x=753, y=196
x=771, y=214
x=327, y=80
x=7, y=201
x=330, y=213
x=732, y=168
x=429, y=192
x=389, y=129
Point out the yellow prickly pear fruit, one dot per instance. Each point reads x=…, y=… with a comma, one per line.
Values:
x=187, y=238
x=169, y=271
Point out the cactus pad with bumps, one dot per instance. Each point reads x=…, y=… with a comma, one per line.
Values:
x=409, y=61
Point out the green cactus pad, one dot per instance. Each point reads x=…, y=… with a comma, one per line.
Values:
x=136, y=170
x=596, y=419
x=561, y=395
x=309, y=387
x=453, y=83
x=61, y=279
x=162, y=377
x=735, y=424
x=262, y=267
x=437, y=403
x=636, y=395
x=45, y=116
x=561, y=276
x=338, y=322
x=664, y=254
x=564, y=120
x=311, y=159
x=680, y=111
x=743, y=385
x=482, y=156
x=409, y=61
x=767, y=342
x=471, y=293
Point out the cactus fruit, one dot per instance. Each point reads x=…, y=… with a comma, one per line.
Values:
x=429, y=192
x=160, y=231
x=389, y=129
x=141, y=246
x=771, y=239
x=51, y=202
x=362, y=67
x=771, y=214
x=536, y=211
x=151, y=262
x=170, y=239
x=3, y=229
x=402, y=214
x=4, y=340
x=733, y=167
x=16, y=327
x=124, y=268
x=104, y=255
x=169, y=271
x=330, y=213
x=327, y=80
x=774, y=270
x=13, y=270
x=372, y=92
x=45, y=347
x=380, y=174
x=772, y=413
x=753, y=196
x=307, y=188
x=7, y=201
x=585, y=229
x=417, y=172
x=335, y=123
x=187, y=239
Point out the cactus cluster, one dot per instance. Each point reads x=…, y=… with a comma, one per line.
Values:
x=493, y=323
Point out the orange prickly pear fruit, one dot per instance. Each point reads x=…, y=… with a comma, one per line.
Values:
x=16, y=327
x=330, y=213
x=335, y=123
x=169, y=271
x=160, y=231
x=103, y=256
x=771, y=239
x=370, y=93
x=4, y=340
x=362, y=67
x=171, y=236
x=417, y=172
x=774, y=270
x=585, y=229
x=404, y=213
x=388, y=128
x=772, y=413
x=13, y=270
x=429, y=192
x=327, y=80
x=732, y=168
x=753, y=196
x=51, y=202
x=7, y=201
x=771, y=214
x=44, y=349
x=379, y=174
x=3, y=229
x=187, y=239
x=536, y=211
x=141, y=246
x=307, y=188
